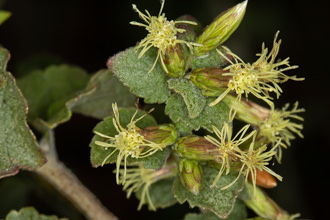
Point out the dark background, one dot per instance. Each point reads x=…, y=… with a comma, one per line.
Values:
x=86, y=33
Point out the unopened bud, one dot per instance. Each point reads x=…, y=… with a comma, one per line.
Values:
x=196, y=147
x=174, y=60
x=220, y=29
x=264, y=179
x=165, y=134
x=190, y=173
x=210, y=80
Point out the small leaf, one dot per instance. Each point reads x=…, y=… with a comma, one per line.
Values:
x=29, y=213
x=210, y=116
x=220, y=202
x=18, y=146
x=160, y=194
x=102, y=90
x=211, y=59
x=238, y=213
x=98, y=154
x=50, y=92
x=133, y=72
x=192, y=96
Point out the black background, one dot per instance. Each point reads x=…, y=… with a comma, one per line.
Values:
x=86, y=33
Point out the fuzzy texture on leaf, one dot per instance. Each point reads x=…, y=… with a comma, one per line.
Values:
x=18, y=146
x=132, y=71
x=220, y=202
x=210, y=116
x=29, y=213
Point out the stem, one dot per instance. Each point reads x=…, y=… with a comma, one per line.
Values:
x=68, y=185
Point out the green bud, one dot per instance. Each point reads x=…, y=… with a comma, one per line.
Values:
x=263, y=205
x=174, y=60
x=196, y=147
x=220, y=29
x=190, y=173
x=165, y=134
x=210, y=80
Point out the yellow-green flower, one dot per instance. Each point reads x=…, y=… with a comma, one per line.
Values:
x=279, y=128
x=139, y=178
x=254, y=159
x=162, y=33
x=228, y=147
x=128, y=142
x=259, y=78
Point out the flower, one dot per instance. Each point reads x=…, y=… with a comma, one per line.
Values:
x=259, y=78
x=162, y=34
x=278, y=128
x=254, y=159
x=138, y=178
x=129, y=142
x=228, y=147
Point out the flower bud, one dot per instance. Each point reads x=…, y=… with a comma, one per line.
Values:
x=220, y=29
x=165, y=134
x=210, y=80
x=190, y=173
x=196, y=147
x=264, y=206
x=174, y=61
x=264, y=179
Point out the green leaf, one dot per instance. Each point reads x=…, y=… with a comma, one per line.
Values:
x=192, y=96
x=210, y=116
x=102, y=90
x=133, y=72
x=51, y=92
x=220, y=202
x=4, y=15
x=98, y=154
x=160, y=194
x=18, y=146
x=238, y=213
x=29, y=213
x=211, y=59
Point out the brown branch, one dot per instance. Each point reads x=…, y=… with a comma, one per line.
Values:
x=66, y=183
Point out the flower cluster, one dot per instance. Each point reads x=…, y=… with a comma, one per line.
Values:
x=128, y=142
x=259, y=78
x=200, y=73
x=162, y=34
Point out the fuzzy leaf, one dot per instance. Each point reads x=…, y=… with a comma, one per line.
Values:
x=30, y=213
x=102, y=90
x=192, y=96
x=51, y=92
x=211, y=59
x=133, y=72
x=238, y=213
x=18, y=146
x=210, y=116
x=220, y=202
x=160, y=194
x=98, y=154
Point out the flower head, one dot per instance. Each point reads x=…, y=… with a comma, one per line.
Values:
x=259, y=78
x=254, y=159
x=162, y=33
x=140, y=179
x=228, y=147
x=279, y=128
x=128, y=142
